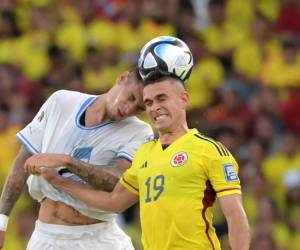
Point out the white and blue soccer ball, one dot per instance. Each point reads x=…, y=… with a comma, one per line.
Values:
x=167, y=55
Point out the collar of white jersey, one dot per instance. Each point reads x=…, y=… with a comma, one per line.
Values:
x=88, y=102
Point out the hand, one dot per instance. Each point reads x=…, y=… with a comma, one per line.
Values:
x=51, y=175
x=2, y=238
x=35, y=162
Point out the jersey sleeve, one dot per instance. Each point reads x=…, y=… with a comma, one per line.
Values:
x=130, y=178
x=140, y=134
x=223, y=175
x=32, y=135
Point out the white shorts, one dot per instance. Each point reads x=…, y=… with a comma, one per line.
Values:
x=101, y=236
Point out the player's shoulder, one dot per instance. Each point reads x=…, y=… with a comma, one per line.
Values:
x=150, y=140
x=148, y=143
x=64, y=96
x=131, y=129
x=209, y=146
x=135, y=122
x=63, y=93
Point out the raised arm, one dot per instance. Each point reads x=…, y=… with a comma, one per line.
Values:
x=100, y=177
x=13, y=187
x=116, y=201
x=239, y=232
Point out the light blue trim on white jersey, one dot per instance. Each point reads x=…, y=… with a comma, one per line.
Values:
x=83, y=108
x=123, y=154
x=27, y=144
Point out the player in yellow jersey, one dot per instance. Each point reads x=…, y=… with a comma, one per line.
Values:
x=176, y=179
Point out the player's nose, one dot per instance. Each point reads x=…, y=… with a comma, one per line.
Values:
x=155, y=107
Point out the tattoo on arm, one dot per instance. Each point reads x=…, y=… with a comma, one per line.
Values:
x=14, y=184
x=100, y=177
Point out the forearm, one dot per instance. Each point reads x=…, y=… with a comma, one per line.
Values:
x=116, y=201
x=14, y=184
x=100, y=177
x=239, y=233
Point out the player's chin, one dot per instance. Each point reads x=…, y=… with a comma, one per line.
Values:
x=161, y=126
x=115, y=116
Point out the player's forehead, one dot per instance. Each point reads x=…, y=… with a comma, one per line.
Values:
x=158, y=89
x=134, y=93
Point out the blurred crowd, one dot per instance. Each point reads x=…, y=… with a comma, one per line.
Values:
x=245, y=88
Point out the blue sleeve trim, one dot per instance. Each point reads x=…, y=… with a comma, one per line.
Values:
x=125, y=155
x=27, y=144
x=83, y=108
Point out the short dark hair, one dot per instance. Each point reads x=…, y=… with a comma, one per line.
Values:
x=134, y=73
x=158, y=76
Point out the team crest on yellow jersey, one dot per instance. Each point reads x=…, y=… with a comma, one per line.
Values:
x=179, y=159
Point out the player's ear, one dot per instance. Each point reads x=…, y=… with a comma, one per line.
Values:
x=185, y=98
x=122, y=78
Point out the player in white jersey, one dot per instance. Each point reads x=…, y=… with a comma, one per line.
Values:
x=94, y=139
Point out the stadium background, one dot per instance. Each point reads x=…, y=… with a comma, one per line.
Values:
x=245, y=88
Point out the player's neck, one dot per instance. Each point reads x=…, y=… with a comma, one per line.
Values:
x=96, y=113
x=167, y=137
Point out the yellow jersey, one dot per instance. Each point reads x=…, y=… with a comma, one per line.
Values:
x=177, y=187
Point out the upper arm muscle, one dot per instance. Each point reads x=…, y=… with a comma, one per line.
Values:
x=23, y=153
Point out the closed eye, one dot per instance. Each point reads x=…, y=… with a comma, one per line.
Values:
x=161, y=98
x=147, y=103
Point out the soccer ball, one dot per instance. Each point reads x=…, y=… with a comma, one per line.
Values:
x=167, y=55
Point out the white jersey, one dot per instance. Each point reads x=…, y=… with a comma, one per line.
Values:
x=57, y=129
